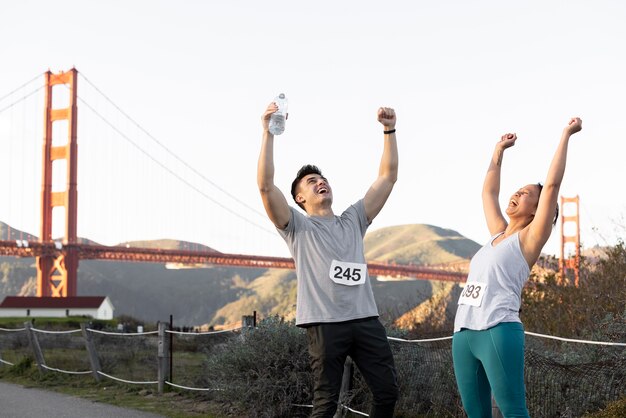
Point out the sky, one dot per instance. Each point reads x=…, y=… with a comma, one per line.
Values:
x=197, y=76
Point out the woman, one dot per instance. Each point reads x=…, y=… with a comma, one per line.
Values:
x=488, y=341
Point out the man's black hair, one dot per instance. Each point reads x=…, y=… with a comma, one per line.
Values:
x=556, y=214
x=303, y=172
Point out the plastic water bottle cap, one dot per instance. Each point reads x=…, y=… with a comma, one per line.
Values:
x=281, y=96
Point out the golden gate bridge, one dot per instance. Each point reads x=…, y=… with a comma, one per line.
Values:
x=57, y=261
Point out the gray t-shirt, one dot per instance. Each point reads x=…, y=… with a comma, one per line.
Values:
x=493, y=290
x=333, y=283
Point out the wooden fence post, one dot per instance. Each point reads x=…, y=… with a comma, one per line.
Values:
x=247, y=321
x=91, y=352
x=34, y=346
x=346, y=385
x=163, y=357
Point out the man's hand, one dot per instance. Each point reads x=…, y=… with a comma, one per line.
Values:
x=507, y=141
x=574, y=125
x=265, y=119
x=387, y=116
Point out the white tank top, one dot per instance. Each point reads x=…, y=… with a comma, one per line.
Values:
x=492, y=293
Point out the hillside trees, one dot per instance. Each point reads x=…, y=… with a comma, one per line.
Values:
x=594, y=310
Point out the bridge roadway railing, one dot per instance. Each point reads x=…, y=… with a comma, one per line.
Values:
x=21, y=248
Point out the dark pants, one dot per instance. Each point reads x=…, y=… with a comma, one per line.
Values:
x=365, y=341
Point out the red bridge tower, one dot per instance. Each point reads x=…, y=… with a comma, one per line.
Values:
x=570, y=263
x=56, y=273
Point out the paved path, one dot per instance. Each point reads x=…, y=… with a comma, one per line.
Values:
x=19, y=402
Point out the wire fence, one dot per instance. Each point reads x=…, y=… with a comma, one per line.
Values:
x=564, y=377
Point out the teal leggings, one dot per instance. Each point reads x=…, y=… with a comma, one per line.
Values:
x=491, y=359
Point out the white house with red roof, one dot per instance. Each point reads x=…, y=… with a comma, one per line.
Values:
x=97, y=307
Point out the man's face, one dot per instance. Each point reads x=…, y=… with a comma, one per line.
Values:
x=314, y=189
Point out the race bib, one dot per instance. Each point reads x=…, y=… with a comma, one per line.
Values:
x=473, y=293
x=348, y=274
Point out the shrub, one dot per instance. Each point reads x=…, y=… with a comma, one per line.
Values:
x=615, y=409
x=569, y=311
x=263, y=372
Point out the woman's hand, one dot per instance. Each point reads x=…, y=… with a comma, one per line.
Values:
x=507, y=141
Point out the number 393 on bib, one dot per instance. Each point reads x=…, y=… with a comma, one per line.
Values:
x=473, y=294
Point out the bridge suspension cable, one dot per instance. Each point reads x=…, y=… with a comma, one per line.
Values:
x=169, y=152
x=16, y=134
x=21, y=99
x=169, y=170
x=9, y=94
x=143, y=168
x=172, y=153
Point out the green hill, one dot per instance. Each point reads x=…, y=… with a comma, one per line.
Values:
x=272, y=293
x=7, y=233
x=167, y=244
x=418, y=244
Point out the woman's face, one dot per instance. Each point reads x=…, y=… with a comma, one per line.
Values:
x=523, y=203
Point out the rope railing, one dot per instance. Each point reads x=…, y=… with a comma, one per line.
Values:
x=44, y=331
x=571, y=340
x=54, y=369
x=203, y=332
x=165, y=379
x=133, y=382
x=190, y=388
x=534, y=334
x=354, y=411
x=425, y=340
x=12, y=329
x=192, y=333
x=122, y=334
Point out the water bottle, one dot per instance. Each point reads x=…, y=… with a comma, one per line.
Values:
x=277, y=120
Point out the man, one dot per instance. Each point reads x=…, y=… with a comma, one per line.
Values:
x=335, y=302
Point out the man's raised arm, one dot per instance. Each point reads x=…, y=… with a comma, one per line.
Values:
x=379, y=191
x=273, y=199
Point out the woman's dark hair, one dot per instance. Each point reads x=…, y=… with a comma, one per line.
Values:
x=556, y=212
x=303, y=172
